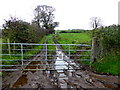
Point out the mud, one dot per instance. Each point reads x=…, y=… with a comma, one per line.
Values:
x=81, y=77
x=21, y=81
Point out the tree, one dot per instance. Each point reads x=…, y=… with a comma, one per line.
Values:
x=16, y=30
x=44, y=16
x=95, y=22
x=20, y=31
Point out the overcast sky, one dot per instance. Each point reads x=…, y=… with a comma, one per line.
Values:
x=71, y=14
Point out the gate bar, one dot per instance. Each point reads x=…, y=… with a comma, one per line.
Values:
x=22, y=54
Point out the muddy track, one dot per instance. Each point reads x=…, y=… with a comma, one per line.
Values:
x=27, y=78
x=77, y=77
x=85, y=77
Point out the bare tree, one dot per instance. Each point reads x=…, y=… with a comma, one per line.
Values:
x=44, y=16
x=95, y=22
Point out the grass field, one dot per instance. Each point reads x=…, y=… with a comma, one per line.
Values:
x=74, y=38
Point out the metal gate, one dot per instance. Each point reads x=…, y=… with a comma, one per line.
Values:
x=27, y=56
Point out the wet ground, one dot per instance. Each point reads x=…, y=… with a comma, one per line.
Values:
x=68, y=75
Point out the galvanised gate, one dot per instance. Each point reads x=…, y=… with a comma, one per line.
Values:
x=27, y=56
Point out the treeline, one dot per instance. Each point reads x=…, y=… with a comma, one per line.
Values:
x=19, y=31
x=108, y=40
x=72, y=31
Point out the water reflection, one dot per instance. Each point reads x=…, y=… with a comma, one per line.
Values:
x=62, y=61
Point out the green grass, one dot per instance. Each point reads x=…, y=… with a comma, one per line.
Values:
x=50, y=47
x=1, y=74
x=0, y=40
x=39, y=47
x=32, y=52
x=50, y=41
x=74, y=38
x=108, y=64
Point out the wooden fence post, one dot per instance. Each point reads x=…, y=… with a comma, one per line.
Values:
x=94, y=50
x=14, y=48
x=8, y=41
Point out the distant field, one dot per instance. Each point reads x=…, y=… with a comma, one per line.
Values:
x=74, y=38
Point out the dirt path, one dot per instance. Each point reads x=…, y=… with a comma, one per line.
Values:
x=76, y=78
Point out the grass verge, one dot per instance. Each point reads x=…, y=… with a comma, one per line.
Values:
x=108, y=64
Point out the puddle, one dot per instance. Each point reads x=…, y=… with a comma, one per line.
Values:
x=20, y=82
x=23, y=79
x=62, y=61
x=61, y=64
x=110, y=86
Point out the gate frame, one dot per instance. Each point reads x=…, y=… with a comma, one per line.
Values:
x=46, y=49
